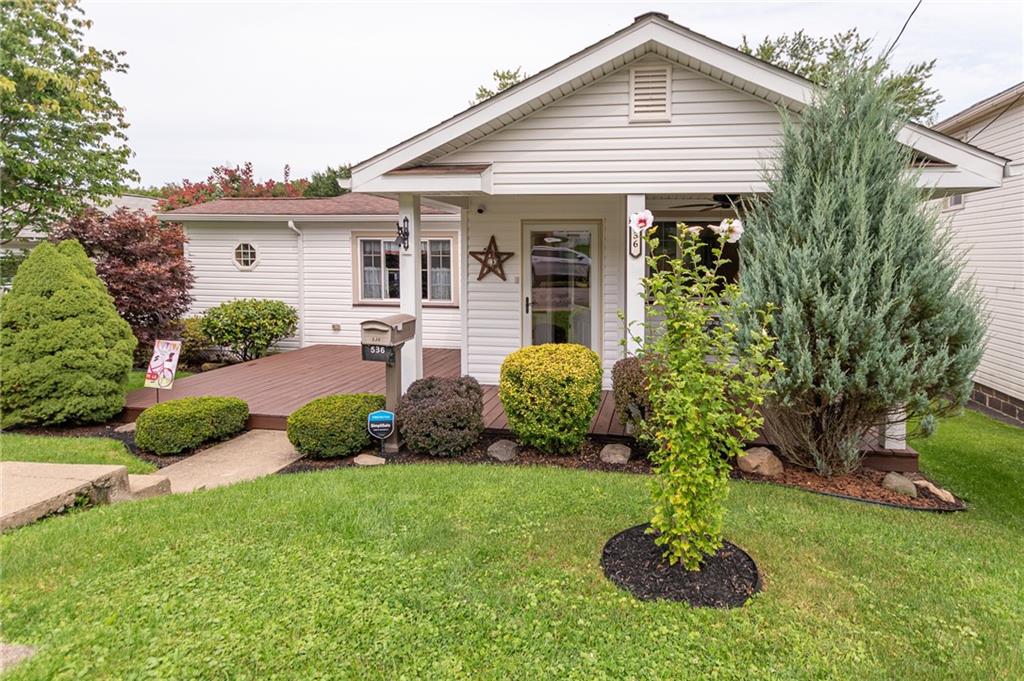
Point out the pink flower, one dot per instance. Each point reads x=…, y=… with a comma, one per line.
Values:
x=641, y=220
x=730, y=228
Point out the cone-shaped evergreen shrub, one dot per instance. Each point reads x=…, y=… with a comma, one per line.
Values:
x=872, y=314
x=65, y=353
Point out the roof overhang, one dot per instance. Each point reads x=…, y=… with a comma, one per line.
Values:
x=240, y=217
x=980, y=109
x=971, y=168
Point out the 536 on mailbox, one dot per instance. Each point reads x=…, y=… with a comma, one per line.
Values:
x=379, y=353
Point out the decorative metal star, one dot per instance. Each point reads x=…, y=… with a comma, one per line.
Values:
x=491, y=260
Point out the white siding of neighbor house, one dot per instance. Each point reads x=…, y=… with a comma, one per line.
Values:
x=718, y=138
x=495, y=307
x=990, y=227
x=328, y=280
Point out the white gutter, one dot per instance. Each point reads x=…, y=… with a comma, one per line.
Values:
x=300, y=257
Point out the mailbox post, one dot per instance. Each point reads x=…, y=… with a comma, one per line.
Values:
x=382, y=341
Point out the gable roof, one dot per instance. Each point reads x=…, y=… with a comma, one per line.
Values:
x=346, y=205
x=1007, y=98
x=651, y=33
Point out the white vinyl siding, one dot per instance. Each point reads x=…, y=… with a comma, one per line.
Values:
x=218, y=278
x=494, y=308
x=716, y=141
x=989, y=225
x=328, y=279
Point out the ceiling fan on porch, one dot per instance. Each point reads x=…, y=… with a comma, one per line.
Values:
x=716, y=202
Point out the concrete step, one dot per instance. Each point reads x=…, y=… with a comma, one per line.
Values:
x=30, y=491
x=146, y=486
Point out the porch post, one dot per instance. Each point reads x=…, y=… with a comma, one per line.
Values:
x=634, y=272
x=410, y=288
x=892, y=433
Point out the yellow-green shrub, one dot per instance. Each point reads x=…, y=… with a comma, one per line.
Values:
x=550, y=394
x=186, y=423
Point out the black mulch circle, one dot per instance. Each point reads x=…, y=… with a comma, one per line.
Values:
x=634, y=562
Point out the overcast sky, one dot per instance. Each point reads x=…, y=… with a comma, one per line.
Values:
x=312, y=84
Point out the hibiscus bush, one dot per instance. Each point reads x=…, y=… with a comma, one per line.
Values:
x=705, y=384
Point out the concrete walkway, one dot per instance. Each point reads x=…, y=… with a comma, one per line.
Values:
x=246, y=457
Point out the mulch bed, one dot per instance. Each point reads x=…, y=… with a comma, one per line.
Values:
x=635, y=563
x=863, y=485
x=589, y=458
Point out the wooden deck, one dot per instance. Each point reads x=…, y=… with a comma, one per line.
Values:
x=277, y=385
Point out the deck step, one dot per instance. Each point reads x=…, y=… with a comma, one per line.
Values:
x=146, y=486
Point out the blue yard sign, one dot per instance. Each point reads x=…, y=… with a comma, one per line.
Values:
x=381, y=424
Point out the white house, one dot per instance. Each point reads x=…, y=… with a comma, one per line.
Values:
x=539, y=180
x=333, y=259
x=654, y=116
x=989, y=226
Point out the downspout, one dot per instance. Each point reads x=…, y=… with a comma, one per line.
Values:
x=300, y=255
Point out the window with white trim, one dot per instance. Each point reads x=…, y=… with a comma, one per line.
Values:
x=379, y=269
x=246, y=256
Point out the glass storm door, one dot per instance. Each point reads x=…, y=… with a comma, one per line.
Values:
x=559, y=296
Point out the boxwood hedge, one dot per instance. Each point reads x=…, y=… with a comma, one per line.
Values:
x=184, y=424
x=550, y=393
x=334, y=425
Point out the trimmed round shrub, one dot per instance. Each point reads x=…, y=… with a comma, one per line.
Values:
x=248, y=327
x=182, y=425
x=334, y=425
x=65, y=353
x=631, y=389
x=442, y=416
x=550, y=394
x=196, y=346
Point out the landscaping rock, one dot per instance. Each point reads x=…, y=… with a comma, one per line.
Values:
x=943, y=494
x=900, y=484
x=125, y=428
x=760, y=461
x=503, y=450
x=210, y=366
x=616, y=454
x=369, y=460
x=12, y=653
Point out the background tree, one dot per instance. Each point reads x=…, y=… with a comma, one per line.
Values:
x=325, y=182
x=226, y=181
x=873, y=311
x=65, y=353
x=823, y=60
x=62, y=135
x=503, y=80
x=142, y=262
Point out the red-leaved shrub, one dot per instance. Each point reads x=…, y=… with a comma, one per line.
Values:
x=143, y=264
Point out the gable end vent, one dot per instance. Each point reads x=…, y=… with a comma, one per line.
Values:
x=650, y=93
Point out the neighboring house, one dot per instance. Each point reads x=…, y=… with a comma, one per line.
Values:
x=989, y=226
x=18, y=248
x=654, y=116
x=333, y=259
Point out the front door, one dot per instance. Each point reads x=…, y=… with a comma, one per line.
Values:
x=559, y=283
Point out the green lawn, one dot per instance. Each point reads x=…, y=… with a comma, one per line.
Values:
x=450, y=571
x=45, y=449
x=138, y=378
